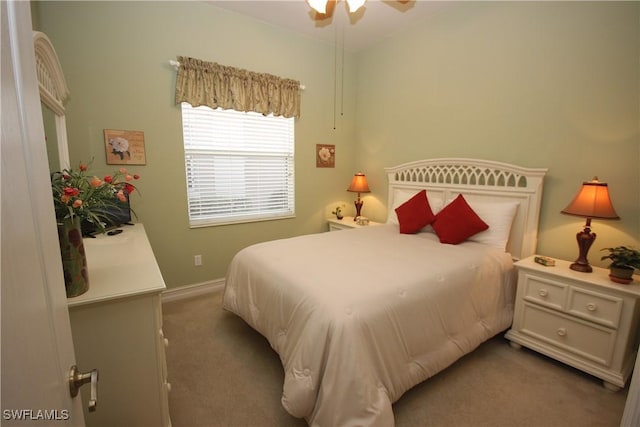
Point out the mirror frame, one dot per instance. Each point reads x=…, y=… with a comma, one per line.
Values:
x=53, y=90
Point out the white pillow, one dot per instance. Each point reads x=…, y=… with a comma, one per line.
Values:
x=400, y=196
x=499, y=216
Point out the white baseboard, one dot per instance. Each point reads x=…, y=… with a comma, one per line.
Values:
x=190, y=291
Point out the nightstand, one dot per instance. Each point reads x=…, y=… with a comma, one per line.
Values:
x=582, y=319
x=346, y=223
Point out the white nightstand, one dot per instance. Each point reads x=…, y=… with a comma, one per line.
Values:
x=346, y=223
x=582, y=319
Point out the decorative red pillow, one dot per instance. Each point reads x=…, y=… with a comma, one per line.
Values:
x=456, y=222
x=415, y=213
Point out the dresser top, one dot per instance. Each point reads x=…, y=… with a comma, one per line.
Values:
x=599, y=276
x=120, y=266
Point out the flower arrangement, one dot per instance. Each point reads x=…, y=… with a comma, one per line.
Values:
x=79, y=194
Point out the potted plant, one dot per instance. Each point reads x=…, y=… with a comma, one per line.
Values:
x=624, y=259
x=338, y=212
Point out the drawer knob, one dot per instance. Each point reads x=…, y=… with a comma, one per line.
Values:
x=543, y=293
x=561, y=332
x=592, y=306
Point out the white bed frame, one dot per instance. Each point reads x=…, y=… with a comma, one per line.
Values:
x=477, y=179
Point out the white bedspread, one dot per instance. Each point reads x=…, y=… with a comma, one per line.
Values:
x=360, y=316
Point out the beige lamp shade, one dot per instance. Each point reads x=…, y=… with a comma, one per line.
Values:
x=592, y=201
x=359, y=184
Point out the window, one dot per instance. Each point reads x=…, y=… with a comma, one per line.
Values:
x=240, y=166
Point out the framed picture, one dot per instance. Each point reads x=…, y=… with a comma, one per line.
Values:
x=124, y=147
x=325, y=156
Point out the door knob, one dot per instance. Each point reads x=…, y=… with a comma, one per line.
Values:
x=77, y=379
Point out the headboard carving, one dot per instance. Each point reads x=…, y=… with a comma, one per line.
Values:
x=482, y=180
x=462, y=174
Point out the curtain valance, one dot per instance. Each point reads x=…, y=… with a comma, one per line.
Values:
x=208, y=83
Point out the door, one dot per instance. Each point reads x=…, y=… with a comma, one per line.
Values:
x=37, y=348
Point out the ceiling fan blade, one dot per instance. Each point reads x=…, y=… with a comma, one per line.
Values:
x=331, y=5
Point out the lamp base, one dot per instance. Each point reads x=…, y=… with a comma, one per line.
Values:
x=358, y=204
x=578, y=266
x=585, y=239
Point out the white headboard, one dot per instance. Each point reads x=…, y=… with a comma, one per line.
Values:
x=479, y=180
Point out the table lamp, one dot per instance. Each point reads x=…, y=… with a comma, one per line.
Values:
x=592, y=201
x=359, y=185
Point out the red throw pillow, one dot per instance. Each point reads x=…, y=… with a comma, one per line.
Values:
x=415, y=213
x=456, y=222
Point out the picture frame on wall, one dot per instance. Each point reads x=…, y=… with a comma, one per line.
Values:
x=325, y=156
x=124, y=147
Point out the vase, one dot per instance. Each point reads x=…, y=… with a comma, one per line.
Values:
x=74, y=260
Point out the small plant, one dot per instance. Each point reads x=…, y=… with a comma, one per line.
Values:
x=623, y=257
x=338, y=212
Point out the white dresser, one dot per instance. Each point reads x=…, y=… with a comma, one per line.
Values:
x=117, y=328
x=582, y=319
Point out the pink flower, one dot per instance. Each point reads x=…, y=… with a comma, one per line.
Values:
x=128, y=177
x=121, y=196
x=123, y=170
x=96, y=182
x=77, y=203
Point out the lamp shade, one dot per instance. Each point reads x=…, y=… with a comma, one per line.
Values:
x=359, y=184
x=592, y=201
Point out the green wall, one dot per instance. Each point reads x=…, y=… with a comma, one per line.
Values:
x=539, y=84
x=547, y=84
x=115, y=58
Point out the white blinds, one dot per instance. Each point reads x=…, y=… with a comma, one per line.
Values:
x=240, y=166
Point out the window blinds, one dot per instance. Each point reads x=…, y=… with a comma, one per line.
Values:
x=240, y=166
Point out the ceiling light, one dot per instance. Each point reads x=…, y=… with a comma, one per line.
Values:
x=320, y=6
x=355, y=5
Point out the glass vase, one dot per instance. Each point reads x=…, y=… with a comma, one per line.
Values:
x=74, y=259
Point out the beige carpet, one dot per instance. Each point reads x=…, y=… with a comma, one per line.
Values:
x=223, y=373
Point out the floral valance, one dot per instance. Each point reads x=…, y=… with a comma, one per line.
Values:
x=207, y=83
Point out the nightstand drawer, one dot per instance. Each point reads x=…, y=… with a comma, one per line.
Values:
x=599, y=308
x=544, y=291
x=336, y=227
x=587, y=340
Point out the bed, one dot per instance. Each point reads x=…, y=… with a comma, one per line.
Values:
x=360, y=316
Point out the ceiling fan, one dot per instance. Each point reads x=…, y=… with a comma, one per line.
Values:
x=324, y=8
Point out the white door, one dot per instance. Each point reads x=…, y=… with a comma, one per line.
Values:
x=37, y=348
